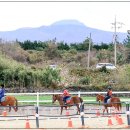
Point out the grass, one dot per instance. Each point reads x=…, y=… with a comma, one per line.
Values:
x=48, y=98
x=29, y=97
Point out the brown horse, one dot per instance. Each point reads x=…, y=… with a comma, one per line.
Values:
x=10, y=101
x=75, y=100
x=114, y=102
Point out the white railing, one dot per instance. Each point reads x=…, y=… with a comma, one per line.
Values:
x=73, y=93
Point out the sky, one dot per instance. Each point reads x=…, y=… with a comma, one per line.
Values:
x=100, y=15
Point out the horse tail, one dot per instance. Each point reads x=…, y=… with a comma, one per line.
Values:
x=16, y=104
x=120, y=106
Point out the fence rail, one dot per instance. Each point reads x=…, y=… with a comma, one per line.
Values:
x=79, y=93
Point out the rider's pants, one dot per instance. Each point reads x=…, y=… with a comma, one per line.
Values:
x=106, y=98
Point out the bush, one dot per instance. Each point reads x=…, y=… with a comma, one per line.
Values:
x=85, y=80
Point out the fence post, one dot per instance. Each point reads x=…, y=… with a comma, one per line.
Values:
x=36, y=108
x=79, y=93
x=128, y=113
x=37, y=117
x=82, y=114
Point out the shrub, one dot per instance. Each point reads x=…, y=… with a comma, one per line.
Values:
x=84, y=80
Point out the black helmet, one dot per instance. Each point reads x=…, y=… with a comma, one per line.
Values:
x=109, y=87
x=2, y=85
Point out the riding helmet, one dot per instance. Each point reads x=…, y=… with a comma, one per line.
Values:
x=109, y=87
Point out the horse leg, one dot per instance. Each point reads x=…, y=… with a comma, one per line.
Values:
x=14, y=108
x=78, y=109
x=65, y=107
x=103, y=111
x=16, y=105
x=61, y=110
x=9, y=108
x=117, y=107
x=107, y=110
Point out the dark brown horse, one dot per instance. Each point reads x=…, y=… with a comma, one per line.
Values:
x=10, y=101
x=114, y=102
x=75, y=100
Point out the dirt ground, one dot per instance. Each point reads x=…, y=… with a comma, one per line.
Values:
x=50, y=118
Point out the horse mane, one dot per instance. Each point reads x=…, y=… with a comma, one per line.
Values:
x=101, y=95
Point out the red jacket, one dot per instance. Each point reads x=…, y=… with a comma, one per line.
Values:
x=66, y=93
x=109, y=93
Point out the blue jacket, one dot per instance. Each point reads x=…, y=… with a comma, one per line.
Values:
x=2, y=93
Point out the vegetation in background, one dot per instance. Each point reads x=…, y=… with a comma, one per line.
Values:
x=24, y=66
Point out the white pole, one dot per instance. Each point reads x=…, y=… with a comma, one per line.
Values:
x=115, y=38
x=89, y=51
x=79, y=93
x=115, y=41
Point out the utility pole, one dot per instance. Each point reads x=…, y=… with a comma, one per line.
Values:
x=116, y=25
x=89, y=51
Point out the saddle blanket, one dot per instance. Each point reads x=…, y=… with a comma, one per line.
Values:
x=68, y=100
x=2, y=99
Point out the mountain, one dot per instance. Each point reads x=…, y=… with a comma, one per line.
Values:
x=66, y=30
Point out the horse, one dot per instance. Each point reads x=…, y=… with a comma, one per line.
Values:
x=10, y=101
x=114, y=102
x=75, y=100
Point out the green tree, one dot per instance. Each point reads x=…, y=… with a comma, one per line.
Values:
x=127, y=40
x=49, y=77
x=85, y=44
x=51, y=51
x=63, y=46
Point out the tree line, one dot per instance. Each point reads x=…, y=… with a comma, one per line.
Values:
x=82, y=46
x=40, y=46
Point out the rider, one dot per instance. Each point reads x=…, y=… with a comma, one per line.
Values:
x=66, y=95
x=2, y=92
x=109, y=94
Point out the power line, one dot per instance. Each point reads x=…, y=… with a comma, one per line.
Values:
x=89, y=51
x=117, y=25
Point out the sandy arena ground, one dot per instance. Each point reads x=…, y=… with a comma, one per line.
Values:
x=49, y=119
x=90, y=122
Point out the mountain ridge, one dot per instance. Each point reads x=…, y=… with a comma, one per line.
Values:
x=68, y=31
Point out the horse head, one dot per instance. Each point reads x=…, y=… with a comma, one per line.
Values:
x=99, y=98
x=54, y=98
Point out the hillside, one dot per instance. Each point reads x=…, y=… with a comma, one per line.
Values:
x=27, y=69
